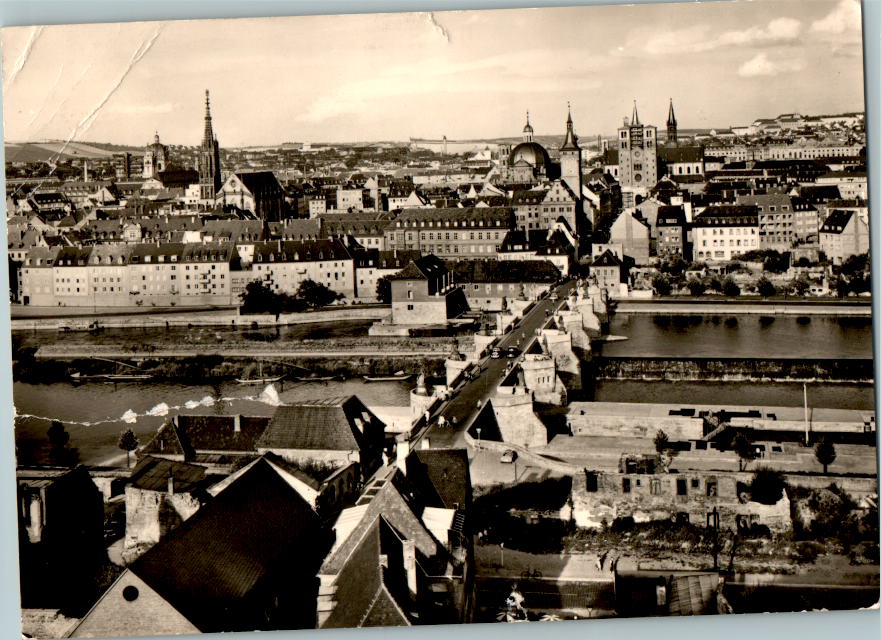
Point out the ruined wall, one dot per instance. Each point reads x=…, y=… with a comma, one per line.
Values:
x=151, y=515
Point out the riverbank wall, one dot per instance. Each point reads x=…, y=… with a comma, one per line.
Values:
x=861, y=308
x=683, y=369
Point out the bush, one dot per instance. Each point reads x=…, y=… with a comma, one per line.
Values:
x=661, y=284
x=730, y=288
x=696, y=287
x=765, y=288
x=808, y=551
x=767, y=486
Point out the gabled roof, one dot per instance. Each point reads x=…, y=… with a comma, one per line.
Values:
x=330, y=424
x=423, y=268
x=606, y=259
x=837, y=221
x=516, y=271
x=208, y=566
x=258, y=182
x=218, y=433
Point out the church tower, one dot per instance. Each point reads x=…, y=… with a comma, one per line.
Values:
x=155, y=158
x=570, y=158
x=209, y=158
x=637, y=158
x=672, y=135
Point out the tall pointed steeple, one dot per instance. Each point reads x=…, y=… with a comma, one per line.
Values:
x=571, y=140
x=208, y=137
x=209, y=157
x=634, y=121
x=672, y=129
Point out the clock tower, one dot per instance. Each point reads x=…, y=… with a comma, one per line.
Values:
x=637, y=155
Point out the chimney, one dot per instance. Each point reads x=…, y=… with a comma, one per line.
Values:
x=170, y=484
x=237, y=423
x=402, y=451
x=410, y=566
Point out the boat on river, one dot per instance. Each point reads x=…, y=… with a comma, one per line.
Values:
x=259, y=380
x=110, y=377
x=396, y=376
x=317, y=378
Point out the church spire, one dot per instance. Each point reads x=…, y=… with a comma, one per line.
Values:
x=671, y=117
x=634, y=121
x=208, y=137
x=672, y=132
x=571, y=140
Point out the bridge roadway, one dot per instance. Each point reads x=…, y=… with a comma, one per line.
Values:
x=463, y=405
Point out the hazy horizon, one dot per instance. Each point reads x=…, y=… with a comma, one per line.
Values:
x=463, y=74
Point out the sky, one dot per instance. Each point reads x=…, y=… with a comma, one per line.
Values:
x=463, y=74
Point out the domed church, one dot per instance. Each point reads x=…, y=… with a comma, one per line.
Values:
x=529, y=162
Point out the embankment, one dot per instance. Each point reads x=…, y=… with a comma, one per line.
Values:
x=851, y=370
x=740, y=306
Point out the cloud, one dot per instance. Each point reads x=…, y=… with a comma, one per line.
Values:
x=701, y=38
x=846, y=17
x=761, y=65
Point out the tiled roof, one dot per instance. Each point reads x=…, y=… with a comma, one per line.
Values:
x=429, y=266
x=727, y=216
x=674, y=154
x=469, y=216
x=300, y=251
x=218, y=433
x=207, y=567
x=258, y=182
x=333, y=424
x=606, y=259
x=441, y=477
x=153, y=473
x=836, y=222
x=480, y=271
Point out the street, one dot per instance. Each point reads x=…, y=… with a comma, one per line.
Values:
x=463, y=405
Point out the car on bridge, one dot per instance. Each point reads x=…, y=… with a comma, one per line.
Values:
x=496, y=353
x=513, y=352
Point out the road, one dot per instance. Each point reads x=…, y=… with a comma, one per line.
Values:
x=463, y=405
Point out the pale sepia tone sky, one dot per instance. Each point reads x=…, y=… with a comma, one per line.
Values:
x=460, y=74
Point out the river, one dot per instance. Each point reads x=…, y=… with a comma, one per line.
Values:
x=92, y=413
x=740, y=336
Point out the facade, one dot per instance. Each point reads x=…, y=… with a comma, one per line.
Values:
x=489, y=285
x=423, y=293
x=561, y=202
x=527, y=205
x=721, y=232
x=371, y=265
x=284, y=265
x=776, y=219
x=451, y=234
x=607, y=270
x=844, y=234
x=672, y=229
x=156, y=158
x=256, y=191
x=633, y=234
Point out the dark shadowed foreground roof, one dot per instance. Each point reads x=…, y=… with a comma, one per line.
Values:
x=440, y=476
x=330, y=424
x=208, y=565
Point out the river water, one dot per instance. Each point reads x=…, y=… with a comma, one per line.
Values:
x=92, y=413
x=739, y=336
x=743, y=336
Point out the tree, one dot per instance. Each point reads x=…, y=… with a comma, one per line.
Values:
x=384, y=290
x=765, y=287
x=128, y=442
x=316, y=295
x=696, y=287
x=800, y=285
x=661, y=284
x=745, y=450
x=824, y=451
x=59, y=451
x=58, y=436
x=730, y=288
x=662, y=441
x=767, y=486
x=258, y=297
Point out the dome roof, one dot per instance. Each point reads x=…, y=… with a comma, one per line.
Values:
x=527, y=128
x=531, y=152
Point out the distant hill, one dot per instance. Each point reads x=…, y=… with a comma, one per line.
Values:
x=59, y=150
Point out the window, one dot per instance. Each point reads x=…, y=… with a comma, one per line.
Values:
x=625, y=485
x=655, y=486
x=409, y=307
x=712, y=488
x=695, y=483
